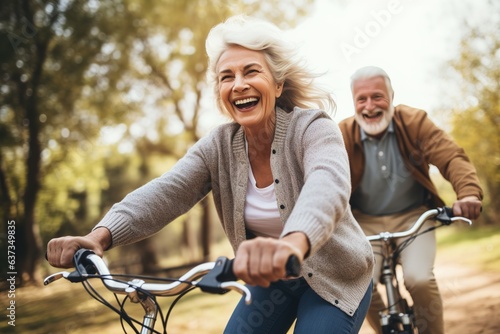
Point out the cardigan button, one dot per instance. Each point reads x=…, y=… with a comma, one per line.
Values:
x=274, y=151
x=282, y=206
x=276, y=181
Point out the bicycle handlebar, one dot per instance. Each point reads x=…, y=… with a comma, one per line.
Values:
x=217, y=277
x=444, y=215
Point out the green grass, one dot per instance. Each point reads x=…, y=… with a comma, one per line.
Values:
x=471, y=246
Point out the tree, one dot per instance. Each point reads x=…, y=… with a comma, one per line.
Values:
x=476, y=121
x=53, y=56
x=73, y=68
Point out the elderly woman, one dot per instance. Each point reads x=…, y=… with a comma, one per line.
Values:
x=279, y=176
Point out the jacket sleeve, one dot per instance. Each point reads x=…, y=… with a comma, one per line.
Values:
x=352, y=141
x=432, y=145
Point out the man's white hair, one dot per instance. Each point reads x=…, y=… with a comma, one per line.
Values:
x=369, y=72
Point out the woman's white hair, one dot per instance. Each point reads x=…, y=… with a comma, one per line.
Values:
x=369, y=72
x=281, y=55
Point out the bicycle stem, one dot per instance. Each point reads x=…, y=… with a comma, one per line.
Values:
x=147, y=302
x=149, y=319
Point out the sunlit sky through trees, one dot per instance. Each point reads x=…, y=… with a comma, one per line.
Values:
x=410, y=39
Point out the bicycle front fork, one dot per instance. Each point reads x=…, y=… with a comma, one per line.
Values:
x=397, y=323
x=399, y=316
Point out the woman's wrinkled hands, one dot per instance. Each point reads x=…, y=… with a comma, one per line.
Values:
x=60, y=251
x=261, y=261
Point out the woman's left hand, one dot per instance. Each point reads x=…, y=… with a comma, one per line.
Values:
x=261, y=261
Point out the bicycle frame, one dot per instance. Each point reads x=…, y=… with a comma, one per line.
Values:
x=398, y=316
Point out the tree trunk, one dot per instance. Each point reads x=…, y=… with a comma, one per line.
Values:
x=148, y=256
x=492, y=213
x=205, y=230
x=4, y=193
x=28, y=236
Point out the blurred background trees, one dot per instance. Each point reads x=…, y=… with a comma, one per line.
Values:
x=98, y=97
x=475, y=118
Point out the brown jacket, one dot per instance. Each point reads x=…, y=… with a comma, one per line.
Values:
x=421, y=143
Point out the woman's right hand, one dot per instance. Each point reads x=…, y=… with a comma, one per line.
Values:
x=60, y=251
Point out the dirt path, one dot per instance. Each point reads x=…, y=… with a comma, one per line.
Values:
x=471, y=299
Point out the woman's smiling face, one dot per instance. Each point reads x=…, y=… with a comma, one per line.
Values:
x=373, y=104
x=247, y=88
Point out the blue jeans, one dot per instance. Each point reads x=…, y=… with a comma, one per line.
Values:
x=274, y=309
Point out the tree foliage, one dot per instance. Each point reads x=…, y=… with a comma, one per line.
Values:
x=476, y=121
x=94, y=96
x=62, y=63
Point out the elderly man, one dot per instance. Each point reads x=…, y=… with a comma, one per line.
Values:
x=390, y=149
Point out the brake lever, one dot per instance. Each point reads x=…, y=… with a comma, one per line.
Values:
x=54, y=277
x=221, y=279
x=446, y=217
x=468, y=221
x=73, y=277
x=235, y=286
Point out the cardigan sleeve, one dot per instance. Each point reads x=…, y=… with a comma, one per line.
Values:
x=149, y=208
x=324, y=196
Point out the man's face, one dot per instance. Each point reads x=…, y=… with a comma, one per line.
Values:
x=373, y=105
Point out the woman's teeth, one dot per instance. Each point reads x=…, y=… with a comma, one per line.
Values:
x=245, y=103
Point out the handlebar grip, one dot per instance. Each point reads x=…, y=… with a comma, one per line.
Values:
x=292, y=266
x=82, y=265
x=292, y=269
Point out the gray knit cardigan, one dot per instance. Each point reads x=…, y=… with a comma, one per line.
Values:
x=312, y=185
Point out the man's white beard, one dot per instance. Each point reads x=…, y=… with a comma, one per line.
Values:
x=372, y=128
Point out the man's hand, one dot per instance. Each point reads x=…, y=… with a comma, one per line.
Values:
x=60, y=251
x=468, y=207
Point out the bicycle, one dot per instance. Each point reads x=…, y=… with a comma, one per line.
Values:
x=398, y=316
x=210, y=277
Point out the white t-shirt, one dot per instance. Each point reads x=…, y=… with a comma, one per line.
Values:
x=261, y=210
